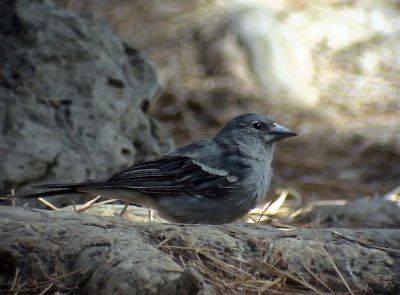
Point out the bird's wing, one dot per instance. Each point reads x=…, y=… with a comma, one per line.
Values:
x=171, y=175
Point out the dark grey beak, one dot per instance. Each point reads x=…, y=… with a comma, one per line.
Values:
x=279, y=132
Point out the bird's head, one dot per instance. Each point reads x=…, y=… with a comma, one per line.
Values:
x=254, y=126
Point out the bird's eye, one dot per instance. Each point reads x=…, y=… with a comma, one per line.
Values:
x=257, y=125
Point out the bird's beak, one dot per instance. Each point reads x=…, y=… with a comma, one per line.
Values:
x=279, y=132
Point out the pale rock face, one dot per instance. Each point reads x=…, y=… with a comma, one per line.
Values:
x=251, y=44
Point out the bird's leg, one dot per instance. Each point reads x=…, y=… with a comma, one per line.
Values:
x=123, y=210
x=151, y=215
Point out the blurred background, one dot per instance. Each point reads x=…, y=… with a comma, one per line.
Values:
x=327, y=69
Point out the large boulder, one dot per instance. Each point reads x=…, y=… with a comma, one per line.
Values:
x=73, y=97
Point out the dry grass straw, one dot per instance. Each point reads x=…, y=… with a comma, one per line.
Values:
x=233, y=275
x=286, y=205
x=364, y=243
x=333, y=263
x=84, y=207
x=23, y=285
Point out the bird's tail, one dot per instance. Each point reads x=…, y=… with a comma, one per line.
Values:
x=53, y=190
x=106, y=190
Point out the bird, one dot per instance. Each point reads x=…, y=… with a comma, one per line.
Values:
x=210, y=181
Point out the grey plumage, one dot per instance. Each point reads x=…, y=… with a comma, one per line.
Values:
x=211, y=181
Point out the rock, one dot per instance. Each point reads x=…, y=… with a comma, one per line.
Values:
x=359, y=213
x=73, y=98
x=355, y=50
x=108, y=255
